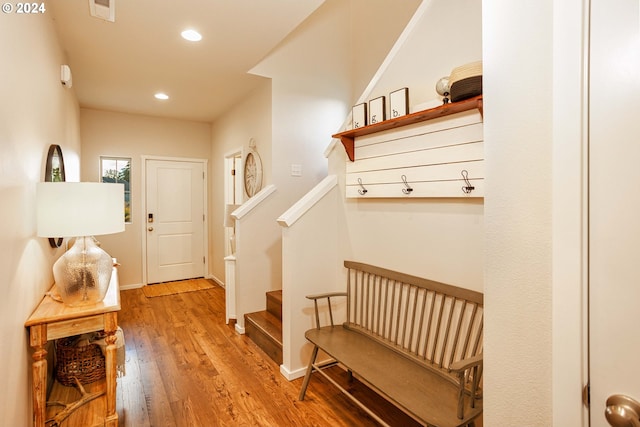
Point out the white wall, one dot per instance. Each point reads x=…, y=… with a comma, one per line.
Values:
x=438, y=239
x=35, y=111
x=251, y=118
x=518, y=117
x=313, y=250
x=314, y=73
x=441, y=239
x=311, y=73
x=441, y=41
x=310, y=88
x=258, y=256
x=107, y=133
x=375, y=26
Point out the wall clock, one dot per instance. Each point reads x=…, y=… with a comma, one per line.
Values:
x=252, y=171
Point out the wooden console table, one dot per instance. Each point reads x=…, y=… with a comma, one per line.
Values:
x=52, y=320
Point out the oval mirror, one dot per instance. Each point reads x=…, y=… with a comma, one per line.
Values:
x=55, y=165
x=54, y=172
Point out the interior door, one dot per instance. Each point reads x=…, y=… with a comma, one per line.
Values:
x=175, y=220
x=614, y=203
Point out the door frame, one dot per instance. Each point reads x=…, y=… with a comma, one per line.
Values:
x=232, y=187
x=143, y=210
x=570, y=213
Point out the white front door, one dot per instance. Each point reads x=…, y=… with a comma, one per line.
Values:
x=175, y=224
x=614, y=206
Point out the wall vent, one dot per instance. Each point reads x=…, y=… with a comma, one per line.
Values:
x=103, y=9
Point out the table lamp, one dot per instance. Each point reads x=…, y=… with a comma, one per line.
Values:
x=81, y=210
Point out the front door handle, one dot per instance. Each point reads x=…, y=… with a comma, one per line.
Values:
x=150, y=228
x=622, y=411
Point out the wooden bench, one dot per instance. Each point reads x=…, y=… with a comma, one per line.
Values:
x=416, y=342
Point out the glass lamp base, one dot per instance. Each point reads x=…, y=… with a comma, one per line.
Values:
x=83, y=273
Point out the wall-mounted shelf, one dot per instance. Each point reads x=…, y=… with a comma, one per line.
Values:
x=347, y=137
x=432, y=153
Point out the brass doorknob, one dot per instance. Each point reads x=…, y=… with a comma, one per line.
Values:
x=150, y=228
x=622, y=411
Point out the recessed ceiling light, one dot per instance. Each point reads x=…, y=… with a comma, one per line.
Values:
x=191, y=35
x=161, y=95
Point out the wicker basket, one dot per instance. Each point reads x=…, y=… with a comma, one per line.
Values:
x=86, y=363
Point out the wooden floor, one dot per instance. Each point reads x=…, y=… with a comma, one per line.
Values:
x=186, y=367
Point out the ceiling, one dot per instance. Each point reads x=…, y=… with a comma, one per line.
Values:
x=119, y=66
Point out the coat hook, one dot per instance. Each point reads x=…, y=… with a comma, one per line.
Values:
x=468, y=188
x=408, y=188
x=362, y=191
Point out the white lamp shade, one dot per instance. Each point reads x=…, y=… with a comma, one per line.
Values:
x=70, y=209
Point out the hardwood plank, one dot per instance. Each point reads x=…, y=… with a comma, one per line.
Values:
x=186, y=367
x=130, y=402
x=155, y=396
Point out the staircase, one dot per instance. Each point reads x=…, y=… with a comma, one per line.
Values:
x=265, y=327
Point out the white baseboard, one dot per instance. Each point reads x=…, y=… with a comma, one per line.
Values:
x=298, y=373
x=239, y=329
x=292, y=375
x=131, y=286
x=215, y=279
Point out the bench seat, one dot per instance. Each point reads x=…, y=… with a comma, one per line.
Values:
x=404, y=382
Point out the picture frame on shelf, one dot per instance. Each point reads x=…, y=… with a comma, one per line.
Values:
x=359, y=115
x=377, y=111
x=399, y=103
